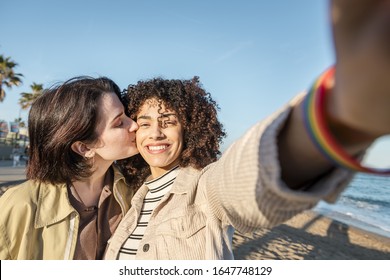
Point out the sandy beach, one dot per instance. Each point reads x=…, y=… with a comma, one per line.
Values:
x=308, y=236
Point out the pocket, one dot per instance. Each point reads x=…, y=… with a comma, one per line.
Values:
x=183, y=223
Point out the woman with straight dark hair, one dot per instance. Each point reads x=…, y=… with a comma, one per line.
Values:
x=75, y=196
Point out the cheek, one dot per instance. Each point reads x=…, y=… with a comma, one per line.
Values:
x=137, y=143
x=138, y=138
x=116, y=138
x=180, y=138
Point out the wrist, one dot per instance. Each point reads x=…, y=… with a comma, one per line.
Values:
x=337, y=141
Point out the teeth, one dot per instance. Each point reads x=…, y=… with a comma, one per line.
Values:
x=157, y=148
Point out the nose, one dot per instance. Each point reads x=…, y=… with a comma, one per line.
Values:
x=156, y=132
x=133, y=125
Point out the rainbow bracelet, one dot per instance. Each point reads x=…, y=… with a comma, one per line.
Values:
x=314, y=114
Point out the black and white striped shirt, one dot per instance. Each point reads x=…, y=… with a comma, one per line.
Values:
x=157, y=189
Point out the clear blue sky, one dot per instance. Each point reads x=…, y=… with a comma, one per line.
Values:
x=252, y=56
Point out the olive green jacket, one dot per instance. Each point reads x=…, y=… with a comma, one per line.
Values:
x=37, y=220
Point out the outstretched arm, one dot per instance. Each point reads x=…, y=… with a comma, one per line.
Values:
x=358, y=106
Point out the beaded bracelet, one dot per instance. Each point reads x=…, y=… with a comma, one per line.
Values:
x=314, y=118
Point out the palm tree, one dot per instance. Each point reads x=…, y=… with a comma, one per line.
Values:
x=8, y=77
x=29, y=97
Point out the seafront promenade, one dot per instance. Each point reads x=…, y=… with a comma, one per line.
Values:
x=11, y=176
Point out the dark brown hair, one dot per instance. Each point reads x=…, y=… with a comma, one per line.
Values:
x=197, y=112
x=62, y=115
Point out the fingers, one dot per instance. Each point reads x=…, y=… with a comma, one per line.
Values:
x=352, y=13
x=361, y=24
x=350, y=16
x=362, y=40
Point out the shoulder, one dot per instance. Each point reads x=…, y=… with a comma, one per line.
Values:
x=188, y=173
x=187, y=179
x=25, y=194
x=18, y=208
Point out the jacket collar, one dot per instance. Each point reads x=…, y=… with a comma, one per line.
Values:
x=185, y=180
x=118, y=176
x=53, y=203
x=122, y=191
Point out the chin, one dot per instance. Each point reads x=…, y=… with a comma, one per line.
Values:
x=157, y=165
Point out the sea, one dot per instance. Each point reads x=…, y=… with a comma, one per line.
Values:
x=364, y=204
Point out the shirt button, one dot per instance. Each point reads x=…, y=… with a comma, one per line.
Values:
x=146, y=247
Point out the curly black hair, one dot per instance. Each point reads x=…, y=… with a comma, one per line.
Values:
x=197, y=112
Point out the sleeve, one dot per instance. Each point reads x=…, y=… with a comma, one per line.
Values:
x=4, y=251
x=4, y=236
x=244, y=186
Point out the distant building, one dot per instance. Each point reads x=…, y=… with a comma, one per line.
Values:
x=3, y=129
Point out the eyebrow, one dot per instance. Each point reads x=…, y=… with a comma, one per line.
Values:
x=167, y=115
x=146, y=117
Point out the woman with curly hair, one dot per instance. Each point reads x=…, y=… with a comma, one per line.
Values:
x=189, y=203
x=193, y=108
x=179, y=136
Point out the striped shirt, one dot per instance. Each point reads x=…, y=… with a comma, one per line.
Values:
x=157, y=189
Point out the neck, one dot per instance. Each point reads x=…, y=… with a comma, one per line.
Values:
x=158, y=172
x=89, y=190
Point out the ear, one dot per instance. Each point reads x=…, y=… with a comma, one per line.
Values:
x=83, y=150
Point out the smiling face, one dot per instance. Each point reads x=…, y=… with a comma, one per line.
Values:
x=159, y=137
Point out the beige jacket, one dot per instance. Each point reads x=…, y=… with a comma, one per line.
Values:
x=242, y=191
x=37, y=220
